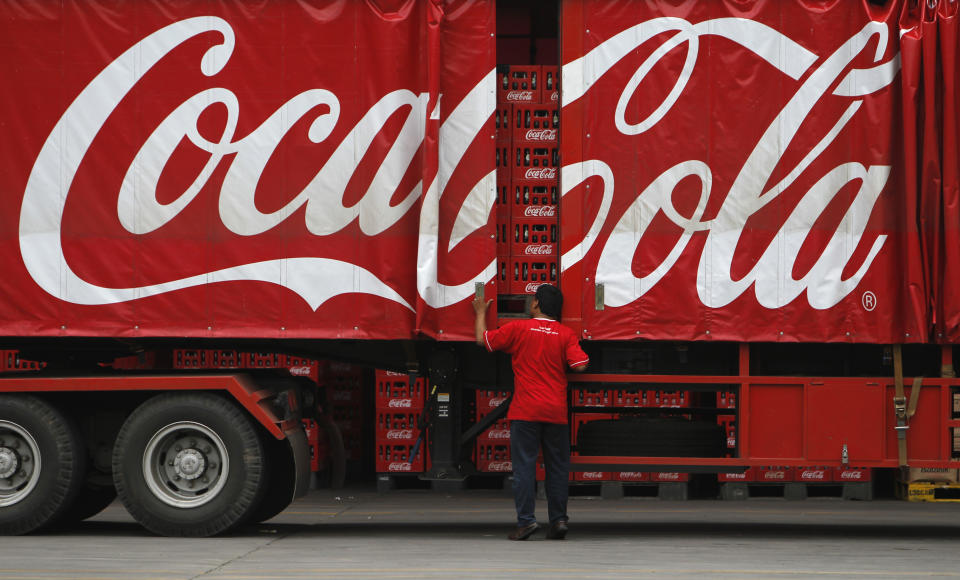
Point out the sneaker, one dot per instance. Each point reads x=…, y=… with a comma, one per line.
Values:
x=523, y=532
x=558, y=530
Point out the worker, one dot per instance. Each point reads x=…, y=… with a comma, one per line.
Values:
x=541, y=350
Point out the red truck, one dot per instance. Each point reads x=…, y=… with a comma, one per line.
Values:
x=753, y=202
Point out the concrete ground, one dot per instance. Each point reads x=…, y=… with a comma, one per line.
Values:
x=359, y=533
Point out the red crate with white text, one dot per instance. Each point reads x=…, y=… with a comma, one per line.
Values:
x=550, y=85
x=815, y=474
x=629, y=398
x=744, y=476
x=393, y=426
x=774, y=474
x=668, y=476
x=487, y=401
x=395, y=458
x=535, y=199
x=588, y=398
x=494, y=457
x=518, y=84
x=535, y=124
x=726, y=400
x=729, y=424
x=533, y=237
x=672, y=399
x=853, y=474
x=593, y=476
x=631, y=476
x=535, y=161
x=523, y=275
x=395, y=391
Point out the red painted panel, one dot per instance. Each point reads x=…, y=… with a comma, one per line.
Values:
x=775, y=421
x=844, y=414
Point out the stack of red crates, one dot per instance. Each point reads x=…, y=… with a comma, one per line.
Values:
x=344, y=385
x=528, y=184
x=493, y=445
x=399, y=405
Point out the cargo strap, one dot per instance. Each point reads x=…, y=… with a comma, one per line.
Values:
x=902, y=409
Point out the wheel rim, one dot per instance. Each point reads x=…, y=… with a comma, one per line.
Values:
x=185, y=464
x=19, y=463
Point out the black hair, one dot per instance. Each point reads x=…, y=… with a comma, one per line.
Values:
x=550, y=299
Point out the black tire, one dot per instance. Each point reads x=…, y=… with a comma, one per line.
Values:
x=32, y=429
x=189, y=464
x=91, y=500
x=657, y=437
x=281, y=480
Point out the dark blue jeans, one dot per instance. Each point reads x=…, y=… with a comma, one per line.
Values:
x=526, y=439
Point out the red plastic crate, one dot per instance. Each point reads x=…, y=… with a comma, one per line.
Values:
x=668, y=476
x=774, y=474
x=815, y=474
x=12, y=362
x=503, y=123
x=672, y=399
x=498, y=433
x=395, y=458
x=494, y=457
x=312, y=432
x=395, y=392
x=533, y=237
x=399, y=427
x=631, y=476
x=303, y=367
x=503, y=153
x=550, y=85
x=487, y=401
x=592, y=476
x=729, y=424
x=535, y=123
x=588, y=398
x=628, y=398
x=535, y=161
x=535, y=199
x=853, y=474
x=726, y=400
x=746, y=476
x=523, y=274
x=518, y=84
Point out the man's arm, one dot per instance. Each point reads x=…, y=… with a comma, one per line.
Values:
x=480, y=321
x=579, y=368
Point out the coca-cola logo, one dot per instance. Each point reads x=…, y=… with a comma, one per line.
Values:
x=538, y=250
x=853, y=474
x=541, y=135
x=531, y=287
x=540, y=173
x=555, y=96
x=400, y=434
x=540, y=211
x=496, y=402
x=301, y=371
x=668, y=475
x=774, y=475
x=400, y=403
x=593, y=475
x=632, y=475
x=735, y=475
x=520, y=96
x=807, y=474
x=399, y=466
x=499, y=434
x=500, y=466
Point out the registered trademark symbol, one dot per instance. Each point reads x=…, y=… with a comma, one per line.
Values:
x=869, y=301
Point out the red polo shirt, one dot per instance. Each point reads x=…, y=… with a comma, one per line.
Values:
x=542, y=349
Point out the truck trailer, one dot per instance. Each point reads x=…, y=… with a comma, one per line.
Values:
x=751, y=207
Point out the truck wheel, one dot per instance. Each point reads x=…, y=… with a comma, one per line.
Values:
x=41, y=463
x=91, y=500
x=281, y=480
x=189, y=465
